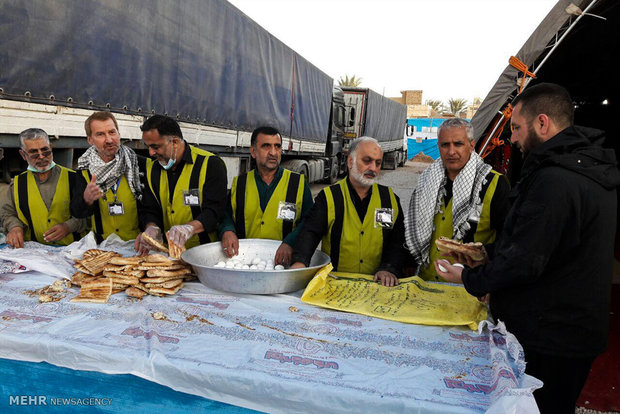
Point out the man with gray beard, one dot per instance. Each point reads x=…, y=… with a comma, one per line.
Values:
x=359, y=222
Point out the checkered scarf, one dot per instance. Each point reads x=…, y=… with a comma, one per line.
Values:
x=427, y=200
x=125, y=162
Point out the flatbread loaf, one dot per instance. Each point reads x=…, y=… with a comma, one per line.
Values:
x=155, y=243
x=473, y=250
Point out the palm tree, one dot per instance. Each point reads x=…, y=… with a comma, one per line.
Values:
x=435, y=104
x=352, y=81
x=457, y=105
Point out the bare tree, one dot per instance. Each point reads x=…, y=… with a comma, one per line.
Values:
x=352, y=81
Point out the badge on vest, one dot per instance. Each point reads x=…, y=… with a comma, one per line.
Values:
x=287, y=211
x=116, y=209
x=384, y=218
x=191, y=197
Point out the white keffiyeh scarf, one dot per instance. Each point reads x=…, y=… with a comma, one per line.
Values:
x=107, y=173
x=427, y=200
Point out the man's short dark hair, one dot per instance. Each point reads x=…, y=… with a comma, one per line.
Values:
x=549, y=99
x=164, y=125
x=265, y=130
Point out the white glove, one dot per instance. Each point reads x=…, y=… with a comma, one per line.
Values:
x=180, y=234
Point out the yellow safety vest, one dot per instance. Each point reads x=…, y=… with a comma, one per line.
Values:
x=125, y=225
x=355, y=246
x=443, y=227
x=174, y=210
x=32, y=211
x=251, y=221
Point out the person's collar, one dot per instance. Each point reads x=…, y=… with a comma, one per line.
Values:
x=352, y=189
x=187, y=153
x=276, y=177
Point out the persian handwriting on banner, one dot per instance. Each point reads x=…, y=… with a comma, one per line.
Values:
x=412, y=301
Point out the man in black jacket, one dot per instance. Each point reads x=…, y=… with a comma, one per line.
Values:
x=550, y=272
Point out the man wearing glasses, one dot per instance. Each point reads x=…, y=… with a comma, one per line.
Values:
x=36, y=207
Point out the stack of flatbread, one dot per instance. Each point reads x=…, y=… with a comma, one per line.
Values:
x=164, y=276
x=123, y=272
x=94, y=291
x=93, y=262
x=137, y=276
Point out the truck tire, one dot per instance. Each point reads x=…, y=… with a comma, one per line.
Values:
x=298, y=166
x=334, y=170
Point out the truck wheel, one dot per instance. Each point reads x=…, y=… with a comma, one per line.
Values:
x=334, y=170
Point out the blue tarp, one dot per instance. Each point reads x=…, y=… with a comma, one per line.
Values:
x=202, y=60
x=427, y=146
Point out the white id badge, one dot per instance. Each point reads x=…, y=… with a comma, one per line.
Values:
x=384, y=218
x=191, y=197
x=116, y=209
x=287, y=211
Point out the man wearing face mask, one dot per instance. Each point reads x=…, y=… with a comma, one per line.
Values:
x=108, y=189
x=359, y=221
x=36, y=207
x=188, y=185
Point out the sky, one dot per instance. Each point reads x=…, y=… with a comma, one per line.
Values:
x=446, y=48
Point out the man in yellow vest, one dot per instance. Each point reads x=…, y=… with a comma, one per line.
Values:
x=187, y=187
x=359, y=222
x=268, y=202
x=36, y=207
x=458, y=196
x=108, y=188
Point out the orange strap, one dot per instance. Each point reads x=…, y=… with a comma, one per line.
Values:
x=495, y=142
x=521, y=67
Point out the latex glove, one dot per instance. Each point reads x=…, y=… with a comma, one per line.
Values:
x=141, y=245
x=230, y=243
x=57, y=232
x=180, y=234
x=387, y=278
x=283, y=255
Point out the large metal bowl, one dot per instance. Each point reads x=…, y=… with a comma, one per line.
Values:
x=204, y=257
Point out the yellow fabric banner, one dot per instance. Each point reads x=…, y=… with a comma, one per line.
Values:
x=412, y=301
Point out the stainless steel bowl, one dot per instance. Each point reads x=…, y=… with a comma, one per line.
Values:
x=204, y=257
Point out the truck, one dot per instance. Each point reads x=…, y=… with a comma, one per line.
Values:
x=208, y=65
x=371, y=114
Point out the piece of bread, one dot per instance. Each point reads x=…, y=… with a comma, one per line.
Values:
x=168, y=284
x=167, y=273
x=473, y=250
x=126, y=261
x=166, y=291
x=156, y=244
x=135, y=292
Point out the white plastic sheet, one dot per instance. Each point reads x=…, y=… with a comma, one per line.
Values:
x=271, y=353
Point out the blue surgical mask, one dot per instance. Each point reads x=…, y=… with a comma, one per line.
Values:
x=171, y=161
x=34, y=169
x=169, y=165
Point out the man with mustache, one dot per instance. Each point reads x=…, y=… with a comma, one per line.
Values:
x=458, y=197
x=36, y=206
x=108, y=188
x=549, y=277
x=268, y=202
x=187, y=187
x=359, y=221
